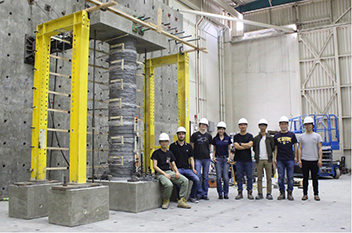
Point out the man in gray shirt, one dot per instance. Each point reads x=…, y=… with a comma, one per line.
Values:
x=310, y=155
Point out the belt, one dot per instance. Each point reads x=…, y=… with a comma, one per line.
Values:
x=222, y=156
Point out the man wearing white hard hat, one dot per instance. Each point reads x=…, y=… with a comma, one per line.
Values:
x=201, y=143
x=263, y=147
x=310, y=155
x=167, y=173
x=243, y=142
x=183, y=152
x=285, y=158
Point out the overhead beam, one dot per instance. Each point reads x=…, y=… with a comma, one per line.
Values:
x=147, y=25
x=245, y=21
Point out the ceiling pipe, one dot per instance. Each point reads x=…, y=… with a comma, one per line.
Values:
x=284, y=29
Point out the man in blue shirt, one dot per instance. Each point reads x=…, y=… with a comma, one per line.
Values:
x=285, y=158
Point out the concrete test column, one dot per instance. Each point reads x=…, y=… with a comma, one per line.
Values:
x=122, y=106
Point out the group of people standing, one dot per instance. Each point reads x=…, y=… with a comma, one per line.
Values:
x=183, y=161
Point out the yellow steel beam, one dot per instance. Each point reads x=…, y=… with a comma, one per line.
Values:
x=40, y=107
x=149, y=115
x=79, y=86
x=183, y=93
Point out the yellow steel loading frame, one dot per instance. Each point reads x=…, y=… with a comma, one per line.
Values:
x=77, y=22
x=182, y=62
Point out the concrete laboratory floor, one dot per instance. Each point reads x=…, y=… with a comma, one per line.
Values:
x=331, y=214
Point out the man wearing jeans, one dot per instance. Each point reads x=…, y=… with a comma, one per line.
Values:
x=263, y=147
x=183, y=152
x=201, y=142
x=167, y=173
x=243, y=142
x=285, y=158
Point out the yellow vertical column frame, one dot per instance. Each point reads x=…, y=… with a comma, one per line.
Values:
x=183, y=93
x=149, y=114
x=79, y=23
x=183, y=98
x=40, y=104
x=79, y=86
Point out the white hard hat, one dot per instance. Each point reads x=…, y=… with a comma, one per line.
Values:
x=221, y=124
x=164, y=137
x=262, y=122
x=283, y=119
x=308, y=120
x=204, y=121
x=181, y=129
x=242, y=121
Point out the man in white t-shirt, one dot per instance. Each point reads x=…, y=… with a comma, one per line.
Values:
x=310, y=154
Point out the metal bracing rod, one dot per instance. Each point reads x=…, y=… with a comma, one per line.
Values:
x=245, y=21
x=177, y=33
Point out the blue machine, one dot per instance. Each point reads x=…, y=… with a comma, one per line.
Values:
x=327, y=126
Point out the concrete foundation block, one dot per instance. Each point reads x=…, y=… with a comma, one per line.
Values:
x=29, y=200
x=134, y=196
x=76, y=204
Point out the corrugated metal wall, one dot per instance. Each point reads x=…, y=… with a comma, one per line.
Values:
x=306, y=14
x=324, y=56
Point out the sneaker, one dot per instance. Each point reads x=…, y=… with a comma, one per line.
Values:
x=226, y=197
x=166, y=203
x=221, y=197
x=193, y=200
x=281, y=196
x=260, y=196
x=249, y=195
x=205, y=198
x=182, y=203
x=316, y=197
x=269, y=197
x=289, y=196
x=305, y=197
x=239, y=195
x=198, y=198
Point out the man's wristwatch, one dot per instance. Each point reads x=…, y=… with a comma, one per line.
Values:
x=240, y=143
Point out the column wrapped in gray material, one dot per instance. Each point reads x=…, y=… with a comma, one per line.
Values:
x=121, y=156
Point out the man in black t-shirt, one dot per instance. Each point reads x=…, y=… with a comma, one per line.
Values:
x=201, y=143
x=243, y=142
x=183, y=152
x=167, y=173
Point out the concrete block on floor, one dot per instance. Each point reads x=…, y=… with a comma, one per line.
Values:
x=29, y=200
x=78, y=204
x=133, y=196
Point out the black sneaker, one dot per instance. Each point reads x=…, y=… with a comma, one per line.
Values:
x=193, y=200
x=269, y=197
x=226, y=197
x=198, y=198
x=205, y=198
x=260, y=196
x=221, y=197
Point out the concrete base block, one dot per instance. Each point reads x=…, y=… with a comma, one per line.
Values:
x=29, y=200
x=78, y=204
x=134, y=196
